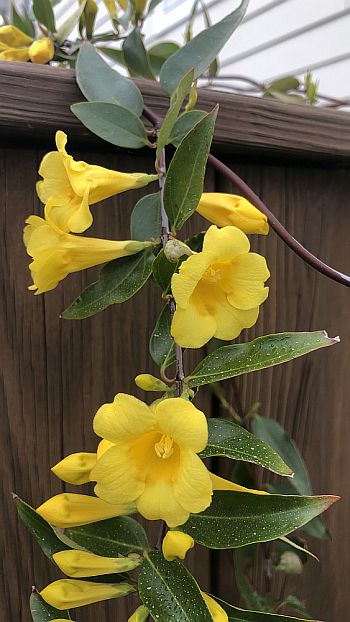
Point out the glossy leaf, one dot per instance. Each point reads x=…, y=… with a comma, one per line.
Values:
x=235, y=519
x=185, y=178
x=136, y=56
x=43, y=612
x=185, y=123
x=170, y=592
x=263, y=352
x=119, y=280
x=161, y=344
x=241, y=615
x=233, y=441
x=163, y=270
x=42, y=10
x=41, y=531
x=113, y=123
x=69, y=24
x=99, y=82
x=146, y=221
x=201, y=51
x=159, y=53
x=115, y=536
x=170, y=118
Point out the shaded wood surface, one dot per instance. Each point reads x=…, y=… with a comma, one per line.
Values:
x=56, y=373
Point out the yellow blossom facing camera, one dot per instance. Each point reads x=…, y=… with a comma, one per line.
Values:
x=176, y=544
x=72, y=510
x=56, y=254
x=42, y=51
x=229, y=209
x=68, y=187
x=216, y=611
x=219, y=290
x=71, y=593
x=153, y=462
x=78, y=564
x=14, y=44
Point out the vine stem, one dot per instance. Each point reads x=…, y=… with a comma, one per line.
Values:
x=275, y=224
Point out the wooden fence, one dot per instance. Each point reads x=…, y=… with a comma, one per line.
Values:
x=56, y=373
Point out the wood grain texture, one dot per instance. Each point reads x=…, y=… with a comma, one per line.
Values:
x=36, y=99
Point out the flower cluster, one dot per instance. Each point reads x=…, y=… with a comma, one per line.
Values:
x=16, y=45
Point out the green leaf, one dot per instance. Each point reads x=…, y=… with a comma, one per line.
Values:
x=65, y=30
x=99, y=82
x=233, y=441
x=263, y=352
x=121, y=535
x=170, y=592
x=43, y=612
x=23, y=22
x=235, y=519
x=200, y=51
x=183, y=125
x=161, y=344
x=42, y=10
x=282, y=85
x=116, y=55
x=240, y=615
x=41, y=531
x=185, y=177
x=163, y=270
x=119, y=280
x=159, y=53
x=113, y=123
x=146, y=220
x=170, y=118
x=136, y=56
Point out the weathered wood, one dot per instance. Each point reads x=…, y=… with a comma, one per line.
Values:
x=35, y=100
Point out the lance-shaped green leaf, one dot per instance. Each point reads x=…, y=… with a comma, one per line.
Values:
x=39, y=529
x=173, y=112
x=146, y=220
x=201, y=51
x=170, y=592
x=42, y=10
x=235, y=519
x=115, y=124
x=119, y=280
x=159, y=53
x=241, y=615
x=23, y=22
x=233, y=441
x=43, y=612
x=136, y=56
x=263, y=352
x=185, y=178
x=121, y=535
x=183, y=125
x=161, y=343
x=99, y=82
x=272, y=433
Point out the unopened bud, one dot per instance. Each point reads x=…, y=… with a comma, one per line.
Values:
x=42, y=51
x=147, y=382
x=174, y=249
x=290, y=563
x=192, y=100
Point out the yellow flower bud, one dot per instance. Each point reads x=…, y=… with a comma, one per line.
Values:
x=75, y=469
x=229, y=209
x=147, y=382
x=216, y=611
x=71, y=510
x=14, y=44
x=79, y=564
x=69, y=593
x=176, y=544
x=42, y=51
x=174, y=249
x=140, y=615
x=90, y=13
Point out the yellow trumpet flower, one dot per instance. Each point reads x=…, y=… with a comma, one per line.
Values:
x=219, y=290
x=216, y=611
x=42, y=51
x=56, y=254
x=72, y=510
x=71, y=593
x=176, y=544
x=78, y=564
x=68, y=187
x=229, y=209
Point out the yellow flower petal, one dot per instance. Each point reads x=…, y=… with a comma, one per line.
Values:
x=116, y=476
x=70, y=593
x=231, y=321
x=191, y=271
x=78, y=564
x=226, y=243
x=176, y=544
x=71, y=510
x=157, y=502
x=125, y=418
x=219, y=483
x=249, y=273
x=193, y=486
x=102, y=447
x=12, y=37
x=216, y=611
x=11, y=54
x=75, y=469
x=191, y=328
x=229, y=209
x=140, y=615
x=181, y=420
x=42, y=51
